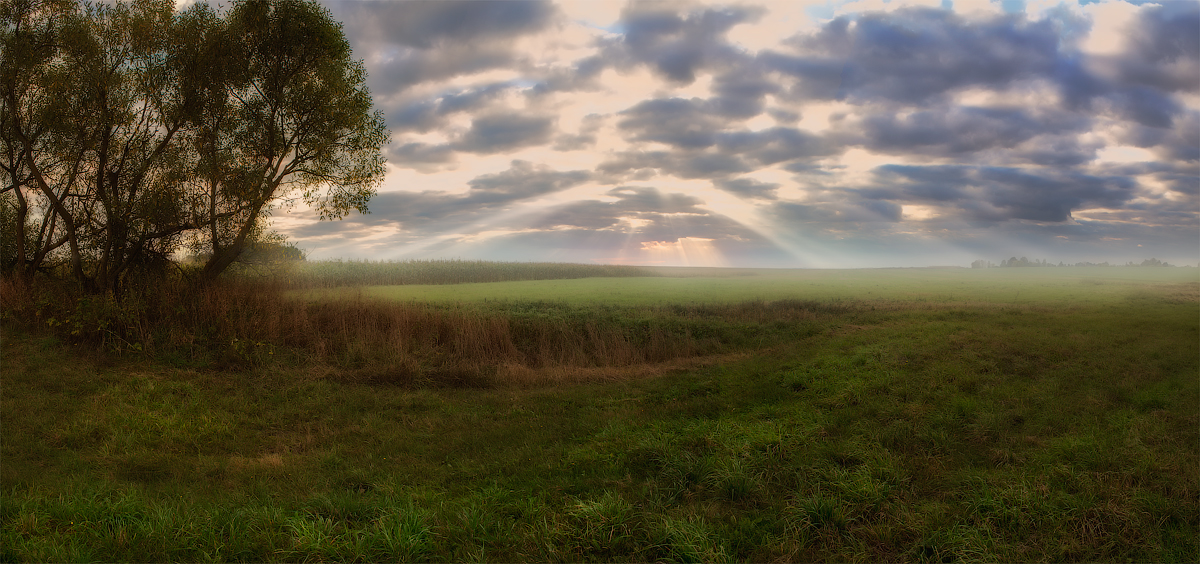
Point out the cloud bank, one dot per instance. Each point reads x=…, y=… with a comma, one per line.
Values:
x=778, y=133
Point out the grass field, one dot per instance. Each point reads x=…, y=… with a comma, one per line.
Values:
x=1056, y=286
x=888, y=415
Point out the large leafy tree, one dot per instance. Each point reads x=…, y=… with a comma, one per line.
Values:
x=131, y=129
x=297, y=121
x=40, y=172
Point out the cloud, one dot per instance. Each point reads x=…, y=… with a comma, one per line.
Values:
x=524, y=180
x=638, y=208
x=408, y=43
x=677, y=45
x=644, y=165
x=589, y=127
x=774, y=145
x=1180, y=142
x=489, y=134
x=434, y=211
x=1165, y=49
x=915, y=56
x=809, y=215
x=869, y=131
x=425, y=115
x=748, y=187
x=425, y=25
x=997, y=194
x=685, y=124
x=741, y=92
x=959, y=131
x=495, y=133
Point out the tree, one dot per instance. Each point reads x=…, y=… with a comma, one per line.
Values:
x=297, y=118
x=39, y=172
x=139, y=129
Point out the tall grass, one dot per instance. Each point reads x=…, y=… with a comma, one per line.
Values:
x=242, y=323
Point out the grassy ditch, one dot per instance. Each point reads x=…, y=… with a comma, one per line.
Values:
x=255, y=324
x=846, y=430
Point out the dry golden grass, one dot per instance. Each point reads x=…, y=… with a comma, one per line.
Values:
x=247, y=323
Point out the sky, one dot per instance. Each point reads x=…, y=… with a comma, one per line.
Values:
x=785, y=134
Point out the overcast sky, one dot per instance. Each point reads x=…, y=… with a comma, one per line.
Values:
x=784, y=134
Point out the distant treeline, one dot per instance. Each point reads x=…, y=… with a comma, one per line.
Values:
x=334, y=273
x=1019, y=262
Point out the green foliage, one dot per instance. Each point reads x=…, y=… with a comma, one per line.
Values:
x=131, y=130
x=17, y=242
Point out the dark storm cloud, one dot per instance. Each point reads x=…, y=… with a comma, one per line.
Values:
x=915, y=55
x=406, y=43
x=500, y=132
x=705, y=153
x=523, y=180
x=489, y=134
x=1145, y=106
x=919, y=183
x=828, y=213
x=420, y=156
x=774, y=145
x=425, y=25
x=1180, y=181
x=962, y=130
x=1179, y=143
x=741, y=92
x=1165, y=48
x=1055, y=151
x=408, y=67
x=686, y=124
x=676, y=45
x=819, y=78
x=426, y=115
x=993, y=194
x=691, y=128
x=1163, y=58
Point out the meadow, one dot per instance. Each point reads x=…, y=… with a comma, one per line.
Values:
x=925, y=415
x=673, y=286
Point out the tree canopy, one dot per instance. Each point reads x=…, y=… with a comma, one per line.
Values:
x=130, y=131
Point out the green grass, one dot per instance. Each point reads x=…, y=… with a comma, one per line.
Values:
x=1060, y=426
x=1060, y=286
x=337, y=273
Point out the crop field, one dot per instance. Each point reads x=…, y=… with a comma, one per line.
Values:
x=690, y=415
x=1046, y=286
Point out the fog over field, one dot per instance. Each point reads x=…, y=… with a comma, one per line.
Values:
x=782, y=134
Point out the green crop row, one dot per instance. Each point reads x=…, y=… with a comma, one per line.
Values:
x=338, y=273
